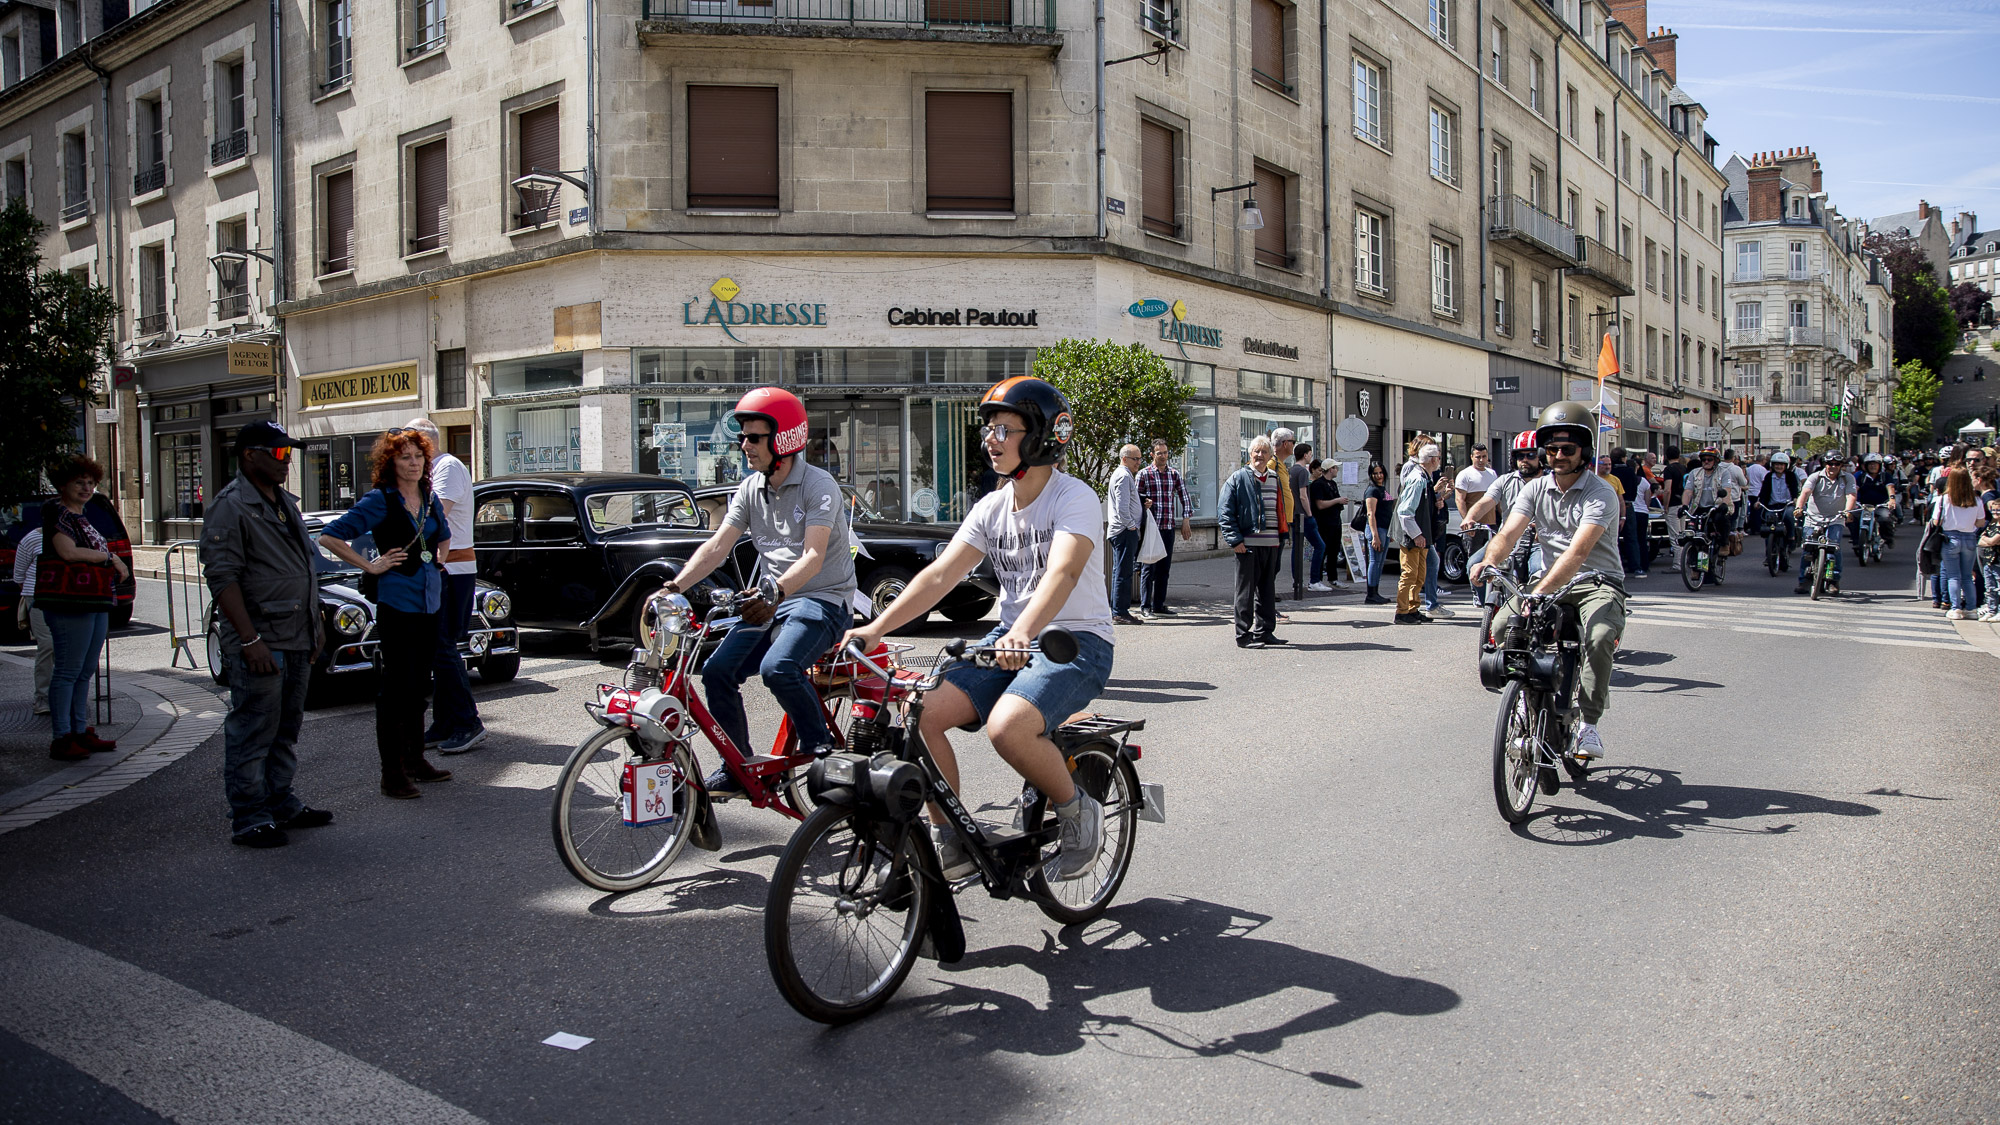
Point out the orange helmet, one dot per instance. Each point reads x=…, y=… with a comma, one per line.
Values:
x=783, y=410
x=1046, y=411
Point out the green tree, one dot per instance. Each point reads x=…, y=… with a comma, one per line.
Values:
x=1916, y=396
x=1925, y=327
x=1117, y=393
x=55, y=336
x=1824, y=443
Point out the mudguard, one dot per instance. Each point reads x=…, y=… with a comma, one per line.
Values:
x=947, y=932
x=706, y=832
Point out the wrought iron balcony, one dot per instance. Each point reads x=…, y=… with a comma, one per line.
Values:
x=232, y=305
x=226, y=149
x=1533, y=230
x=1596, y=261
x=871, y=18
x=150, y=179
x=151, y=324
x=75, y=209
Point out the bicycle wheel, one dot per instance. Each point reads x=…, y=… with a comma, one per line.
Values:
x=1690, y=567
x=1819, y=574
x=1771, y=550
x=1111, y=782
x=591, y=835
x=792, y=783
x=846, y=915
x=1515, y=769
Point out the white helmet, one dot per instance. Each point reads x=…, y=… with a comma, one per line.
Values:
x=1781, y=458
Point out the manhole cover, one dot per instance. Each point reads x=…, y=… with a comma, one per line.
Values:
x=17, y=717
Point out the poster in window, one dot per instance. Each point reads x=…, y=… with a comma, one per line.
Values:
x=576, y=437
x=513, y=439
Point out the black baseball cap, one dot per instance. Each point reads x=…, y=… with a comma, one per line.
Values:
x=265, y=435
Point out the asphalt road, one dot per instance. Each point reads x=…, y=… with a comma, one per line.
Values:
x=1775, y=904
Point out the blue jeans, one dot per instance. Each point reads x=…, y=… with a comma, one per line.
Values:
x=1377, y=546
x=1318, y=545
x=800, y=633
x=1991, y=572
x=1431, y=576
x=1124, y=559
x=78, y=638
x=1833, y=531
x=1055, y=691
x=265, y=713
x=1635, y=538
x=1961, y=552
x=452, y=709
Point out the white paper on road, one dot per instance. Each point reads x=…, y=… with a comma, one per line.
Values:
x=184, y=1056
x=568, y=1042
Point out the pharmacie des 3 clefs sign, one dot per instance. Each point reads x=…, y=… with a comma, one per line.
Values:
x=1174, y=324
x=727, y=313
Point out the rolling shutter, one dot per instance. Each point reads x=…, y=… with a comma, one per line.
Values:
x=969, y=151
x=430, y=222
x=1267, y=40
x=733, y=147
x=1159, y=211
x=992, y=13
x=538, y=144
x=1274, y=239
x=339, y=232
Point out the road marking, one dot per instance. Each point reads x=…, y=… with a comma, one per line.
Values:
x=1909, y=630
x=183, y=1055
x=1657, y=619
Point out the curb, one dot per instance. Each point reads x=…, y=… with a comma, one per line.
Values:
x=175, y=717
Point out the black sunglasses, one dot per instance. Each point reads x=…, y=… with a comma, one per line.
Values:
x=753, y=439
x=1564, y=449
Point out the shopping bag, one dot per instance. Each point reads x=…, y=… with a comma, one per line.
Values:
x=1151, y=548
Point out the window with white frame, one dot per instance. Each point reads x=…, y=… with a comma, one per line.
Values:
x=1501, y=172
x=1535, y=83
x=1800, y=315
x=1503, y=293
x=232, y=122
x=76, y=175
x=1569, y=113
x=1646, y=172
x=1444, y=144
x=1749, y=261
x=1574, y=321
x=1652, y=353
x=1538, y=312
x=336, y=28
x=1749, y=377
x=232, y=297
x=1441, y=21
x=1795, y=258
x=1496, y=53
x=1161, y=18
x=1749, y=316
x=1368, y=98
x=1444, y=278
x=1801, y=373
x=1370, y=272
x=1538, y=187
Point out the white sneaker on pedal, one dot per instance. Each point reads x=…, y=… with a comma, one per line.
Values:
x=1588, y=743
x=953, y=859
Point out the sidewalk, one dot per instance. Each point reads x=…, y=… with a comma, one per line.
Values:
x=155, y=721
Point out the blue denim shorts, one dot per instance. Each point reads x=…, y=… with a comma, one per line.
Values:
x=1057, y=691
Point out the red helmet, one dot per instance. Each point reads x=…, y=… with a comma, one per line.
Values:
x=783, y=410
x=1525, y=440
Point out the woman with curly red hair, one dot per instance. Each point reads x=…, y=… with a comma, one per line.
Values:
x=409, y=530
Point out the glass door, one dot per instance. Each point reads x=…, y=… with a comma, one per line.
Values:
x=861, y=443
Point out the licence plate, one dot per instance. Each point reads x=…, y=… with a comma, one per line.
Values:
x=1153, y=796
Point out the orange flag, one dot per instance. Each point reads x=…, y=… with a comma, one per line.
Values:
x=1607, y=361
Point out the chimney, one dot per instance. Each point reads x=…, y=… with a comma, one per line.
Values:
x=1923, y=209
x=1970, y=222
x=1663, y=44
x=1817, y=189
x=1763, y=204
x=1631, y=13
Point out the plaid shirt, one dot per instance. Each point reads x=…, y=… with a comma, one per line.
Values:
x=1166, y=490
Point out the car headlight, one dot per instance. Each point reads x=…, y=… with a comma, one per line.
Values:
x=496, y=604
x=350, y=620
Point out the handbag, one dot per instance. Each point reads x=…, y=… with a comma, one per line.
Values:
x=1151, y=549
x=1930, y=551
x=62, y=586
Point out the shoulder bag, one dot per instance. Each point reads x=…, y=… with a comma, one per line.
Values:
x=62, y=586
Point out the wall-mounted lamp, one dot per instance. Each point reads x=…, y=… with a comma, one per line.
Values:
x=538, y=191
x=1252, y=216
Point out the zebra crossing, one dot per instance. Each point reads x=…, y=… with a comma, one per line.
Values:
x=1878, y=619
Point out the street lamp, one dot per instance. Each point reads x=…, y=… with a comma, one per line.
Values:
x=232, y=265
x=538, y=191
x=1251, y=217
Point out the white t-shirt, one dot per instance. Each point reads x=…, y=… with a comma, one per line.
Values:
x=451, y=482
x=1018, y=544
x=1471, y=480
x=1756, y=474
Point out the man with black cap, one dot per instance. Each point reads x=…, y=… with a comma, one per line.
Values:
x=259, y=566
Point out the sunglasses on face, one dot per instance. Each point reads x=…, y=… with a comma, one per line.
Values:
x=280, y=454
x=753, y=439
x=1564, y=449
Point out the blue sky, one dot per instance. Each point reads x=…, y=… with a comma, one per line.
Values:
x=1887, y=94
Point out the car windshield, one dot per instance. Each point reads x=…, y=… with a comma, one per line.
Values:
x=858, y=506
x=327, y=563
x=610, y=511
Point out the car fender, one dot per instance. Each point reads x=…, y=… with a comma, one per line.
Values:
x=648, y=576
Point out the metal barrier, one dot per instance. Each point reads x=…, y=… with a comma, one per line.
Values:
x=187, y=604
x=101, y=695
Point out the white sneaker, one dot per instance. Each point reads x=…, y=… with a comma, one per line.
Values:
x=1955, y=615
x=1588, y=742
x=953, y=859
x=1984, y=615
x=1338, y=586
x=1320, y=586
x=1440, y=611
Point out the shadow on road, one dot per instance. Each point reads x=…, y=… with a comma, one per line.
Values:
x=1187, y=956
x=1161, y=691
x=1643, y=802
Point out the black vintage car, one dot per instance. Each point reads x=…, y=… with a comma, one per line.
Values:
x=19, y=517
x=492, y=646
x=580, y=552
x=891, y=553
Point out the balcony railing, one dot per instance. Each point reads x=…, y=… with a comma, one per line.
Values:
x=957, y=15
x=1515, y=219
x=151, y=179
x=151, y=324
x=228, y=148
x=1596, y=260
x=75, y=209
x=232, y=305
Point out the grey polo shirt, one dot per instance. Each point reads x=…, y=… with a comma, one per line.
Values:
x=777, y=519
x=1506, y=488
x=1826, y=497
x=1558, y=514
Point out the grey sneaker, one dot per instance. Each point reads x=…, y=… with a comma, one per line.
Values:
x=955, y=861
x=461, y=742
x=1081, y=827
x=1588, y=743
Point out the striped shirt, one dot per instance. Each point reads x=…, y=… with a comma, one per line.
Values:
x=1267, y=487
x=1168, y=493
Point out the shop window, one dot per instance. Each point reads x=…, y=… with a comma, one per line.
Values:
x=1267, y=386
x=180, y=476
x=451, y=379
x=538, y=439
x=540, y=373
x=458, y=442
x=687, y=439
x=493, y=522
x=1200, y=376
x=1197, y=462
x=1159, y=174
x=968, y=151
x=733, y=148
x=547, y=518
x=1256, y=422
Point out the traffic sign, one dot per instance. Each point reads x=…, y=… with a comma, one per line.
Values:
x=1713, y=433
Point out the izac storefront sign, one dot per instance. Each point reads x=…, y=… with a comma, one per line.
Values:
x=1174, y=323
x=727, y=313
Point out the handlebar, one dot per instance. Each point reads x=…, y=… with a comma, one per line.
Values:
x=1514, y=589
x=1058, y=645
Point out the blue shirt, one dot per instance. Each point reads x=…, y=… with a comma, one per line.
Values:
x=421, y=592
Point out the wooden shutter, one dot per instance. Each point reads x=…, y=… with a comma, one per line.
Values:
x=537, y=144
x=1274, y=239
x=969, y=151
x=430, y=226
x=1267, y=41
x=996, y=13
x=733, y=147
x=1160, y=210
x=339, y=231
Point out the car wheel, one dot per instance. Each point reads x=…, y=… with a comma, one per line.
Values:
x=1452, y=561
x=884, y=586
x=968, y=611
x=500, y=669
x=213, y=652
